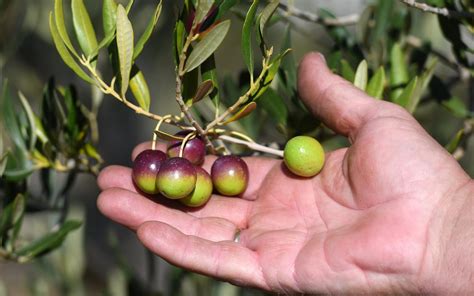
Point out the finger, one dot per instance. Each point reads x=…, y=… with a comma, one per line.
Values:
x=132, y=210
x=341, y=105
x=225, y=260
x=147, y=145
x=118, y=176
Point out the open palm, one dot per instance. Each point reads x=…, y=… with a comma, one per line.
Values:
x=361, y=225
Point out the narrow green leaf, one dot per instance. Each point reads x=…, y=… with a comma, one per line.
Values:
x=455, y=141
x=48, y=242
x=31, y=119
x=209, y=72
x=178, y=40
x=398, y=70
x=347, y=71
x=275, y=106
x=190, y=85
x=407, y=93
x=65, y=54
x=125, y=47
x=129, y=6
x=18, y=174
x=147, y=33
x=264, y=16
x=3, y=157
x=457, y=107
x=244, y=111
x=377, y=84
x=360, y=79
x=83, y=26
x=140, y=90
x=382, y=20
x=204, y=89
x=269, y=76
x=61, y=26
x=207, y=46
x=422, y=85
x=12, y=212
x=167, y=137
x=225, y=6
x=288, y=63
x=247, y=30
x=109, y=16
x=202, y=9
x=9, y=119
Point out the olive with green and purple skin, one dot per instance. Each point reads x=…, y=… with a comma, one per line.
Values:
x=230, y=175
x=194, y=150
x=145, y=169
x=202, y=192
x=176, y=178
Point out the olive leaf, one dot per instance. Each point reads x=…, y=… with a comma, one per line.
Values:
x=61, y=26
x=276, y=108
x=31, y=119
x=64, y=52
x=244, y=111
x=456, y=106
x=167, y=137
x=9, y=119
x=246, y=42
x=421, y=86
x=11, y=215
x=204, y=89
x=398, y=70
x=360, y=79
x=263, y=18
x=377, y=84
x=147, y=33
x=207, y=46
x=83, y=26
x=109, y=16
x=209, y=72
x=140, y=90
x=407, y=93
x=3, y=157
x=48, y=242
x=125, y=47
x=346, y=71
x=202, y=9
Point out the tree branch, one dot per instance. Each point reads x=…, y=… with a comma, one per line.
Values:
x=347, y=20
x=438, y=10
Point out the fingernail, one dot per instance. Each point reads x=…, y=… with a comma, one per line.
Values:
x=322, y=57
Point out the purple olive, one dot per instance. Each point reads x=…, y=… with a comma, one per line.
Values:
x=194, y=150
x=176, y=178
x=145, y=169
x=230, y=175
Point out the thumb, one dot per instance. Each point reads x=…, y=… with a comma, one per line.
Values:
x=340, y=105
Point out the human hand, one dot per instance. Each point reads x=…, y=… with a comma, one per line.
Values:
x=364, y=224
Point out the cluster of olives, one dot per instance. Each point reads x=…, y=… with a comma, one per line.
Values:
x=183, y=178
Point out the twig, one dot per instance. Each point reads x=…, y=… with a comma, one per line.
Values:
x=438, y=10
x=347, y=20
x=252, y=145
x=179, y=96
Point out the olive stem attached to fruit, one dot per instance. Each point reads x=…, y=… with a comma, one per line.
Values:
x=252, y=145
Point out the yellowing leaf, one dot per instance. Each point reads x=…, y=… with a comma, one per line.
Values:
x=246, y=110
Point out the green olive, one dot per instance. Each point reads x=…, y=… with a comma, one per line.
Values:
x=304, y=156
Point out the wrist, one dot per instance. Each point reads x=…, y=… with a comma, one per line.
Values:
x=448, y=268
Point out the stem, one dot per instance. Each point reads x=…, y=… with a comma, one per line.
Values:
x=108, y=89
x=179, y=96
x=438, y=10
x=242, y=99
x=347, y=20
x=252, y=145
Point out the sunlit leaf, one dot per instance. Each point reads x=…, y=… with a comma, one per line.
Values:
x=398, y=70
x=48, y=242
x=83, y=26
x=207, y=46
x=65, y=54
x=125, y=47
x=129, y=6
x=456, y=141
x=422, y=85
x=147, y=33
x=204, y=89
x=377, y=84
x=140, y=90
x=246, y=41
x=360, y=79
x=457, y=107
x=31, y=119
x=61, y=26
x=244, y=111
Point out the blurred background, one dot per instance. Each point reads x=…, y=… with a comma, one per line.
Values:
x=102, y=258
